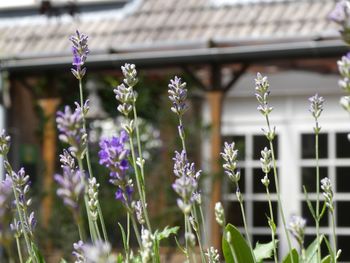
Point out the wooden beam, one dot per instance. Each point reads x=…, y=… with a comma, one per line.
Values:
x=215, y=98
x=49, y=107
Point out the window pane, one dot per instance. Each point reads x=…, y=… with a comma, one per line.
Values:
x=261, y=210
x=260, y=142
x=343, y=244
x=308, y=178
x=233, y=214
x=308, y=146
x=258, y=187
x=343, y=179
x=239, y=141
x=343, y=145
x=307, y=215
x=262, y=238
x=343, y=213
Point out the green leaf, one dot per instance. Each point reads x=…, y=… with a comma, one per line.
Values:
x=263, y=251
x=63, y=260
x=237, y=251
x=311, y=251
x=123, y=237
x=167, y=232
x=295, y=256
x=312, y=211
x=327, y=259
x=330, y=249
x=37, y=254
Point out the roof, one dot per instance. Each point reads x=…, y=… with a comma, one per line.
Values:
x=169, y=24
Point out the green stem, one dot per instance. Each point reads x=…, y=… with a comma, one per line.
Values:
x=97, y=230
x=317, y=194
x=88, y=162
x=198, y=234
x=19, y=250
x=186, y=241
x=182, y=135
x=203, y=223
x=273, y=232
x=76, y=215
x=127, y=236
x=278, y=192
x=136, y=230
x=245, y=221
x=334, y=238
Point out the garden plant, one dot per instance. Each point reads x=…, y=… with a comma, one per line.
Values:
x=122, y=156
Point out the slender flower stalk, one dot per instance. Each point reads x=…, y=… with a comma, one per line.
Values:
x=262, y=93
x=328, y=194
x=80, y=52
x=229, y=155
x=316, y=108
x=266, y=168
x=126, y=95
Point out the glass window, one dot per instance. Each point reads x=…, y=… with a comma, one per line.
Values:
x=342, y=145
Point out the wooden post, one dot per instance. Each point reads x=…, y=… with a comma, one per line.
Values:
x=215, y=99
x=49, y=106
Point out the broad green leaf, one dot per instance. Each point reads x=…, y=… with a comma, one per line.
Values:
x=37, y=254
x=120, y=258
x=167, y=231
x=327, y=259
x=311, y=251
x=237, y=251
x=63, y=260
x=263, y=251
x=288, y=258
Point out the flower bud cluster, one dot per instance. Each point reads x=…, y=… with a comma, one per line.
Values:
x=213, y=255
x=139, y=212
x=327, y=188
x=220, y=214
x=147, y=244
x=262, y=94
x=16, y=228
x=265, y=161
x=78, y=252
x=80, y=51
x=71, y=129
x=177, y=94
x=93, y=197
x=22, y=185
x=5, y=195
x=186, y=183
x=297, y=229
x=71, y=183
x=4, y=143
x=124, y=92
x=230, y=157
x=341, y=14
x=316, y=106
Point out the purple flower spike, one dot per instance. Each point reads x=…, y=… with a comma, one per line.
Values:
x=5, y=194
x=80, y=51
x=341, y=13
x=114, y=156
x=186, y=183
x=71, y=183
x=70, y=127
x=177, y=95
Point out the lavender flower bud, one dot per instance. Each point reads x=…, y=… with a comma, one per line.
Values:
x=297, y=229
x=327, y=188
x=230, y=165
x=80, y=51
x=316, y=105
x=130, y=74
x=193, y=223
x=126, y=96
x=177, y=95
x=71, y=183
x=139, y=212
x=262, y=93
x=99, y=252
x=213, y=255
x=16, y=228
x=345, y=102
x=220, y=214
x=187, y=181
x=341, y=13
x=190, y=238
x=265, y=181
x=93, y=197
x=4, y=143
x=147, y=244
x=78, y=252
x=70, y=127
x=5, y=195
x=265, y=160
